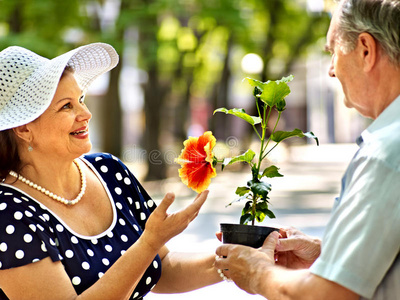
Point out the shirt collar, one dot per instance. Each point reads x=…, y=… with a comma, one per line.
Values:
x=387, y=117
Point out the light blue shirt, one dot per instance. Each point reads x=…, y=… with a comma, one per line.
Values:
x=360, y=247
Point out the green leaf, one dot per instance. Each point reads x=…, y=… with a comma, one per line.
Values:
x=260, y=188
x=245, y=157
x=262, y=211
x=273, y=92
x=242, y=191
x=246, y=218
x=240, y=113
x=270, y=172
x=237, y=200
x=279, y=136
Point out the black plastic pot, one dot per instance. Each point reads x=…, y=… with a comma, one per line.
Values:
x=247, y=235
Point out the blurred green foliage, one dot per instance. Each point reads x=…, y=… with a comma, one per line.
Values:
x=190, y=49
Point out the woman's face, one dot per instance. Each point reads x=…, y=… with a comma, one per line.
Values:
x=63, y=129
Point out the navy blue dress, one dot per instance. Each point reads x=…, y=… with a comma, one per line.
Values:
x=30, y=232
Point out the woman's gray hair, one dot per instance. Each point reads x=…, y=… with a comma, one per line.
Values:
x=380, y=18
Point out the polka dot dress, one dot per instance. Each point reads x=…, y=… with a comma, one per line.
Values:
x=30, y=232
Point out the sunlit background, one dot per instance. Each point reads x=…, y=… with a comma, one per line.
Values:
x=181, y=59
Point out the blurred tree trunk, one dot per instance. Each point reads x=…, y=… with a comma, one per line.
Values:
x=219, y=122
x=112, y=114
x=154, y=95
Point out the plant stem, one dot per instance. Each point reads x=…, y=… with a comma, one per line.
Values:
x=264, y=131
x=253, y=210
x=270, y=137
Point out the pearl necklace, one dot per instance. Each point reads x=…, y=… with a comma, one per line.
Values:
x=52, y=195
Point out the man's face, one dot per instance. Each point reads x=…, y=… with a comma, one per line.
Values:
x=347, y=68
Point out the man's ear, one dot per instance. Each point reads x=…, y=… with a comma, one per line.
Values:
x=368, y=49
x=23, y=132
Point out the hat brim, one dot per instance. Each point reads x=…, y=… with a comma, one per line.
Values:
x=36, y=92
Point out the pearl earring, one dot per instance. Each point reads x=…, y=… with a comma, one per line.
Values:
x=30, y=149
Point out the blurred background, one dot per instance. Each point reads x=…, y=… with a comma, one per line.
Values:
x=179, y=61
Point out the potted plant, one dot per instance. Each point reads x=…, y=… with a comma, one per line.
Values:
x=198, y=161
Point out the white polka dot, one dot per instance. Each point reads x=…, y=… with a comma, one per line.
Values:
x=124, y=238
x=10, y=229
x=74, y=240
x=69, y=253
x=122, y=222
x=90, y=252
x=142, y=216
x=110, y=234
x=137, y=205
x=16, y=200
x=155, y=264
x=118, y=205
x=32, y=208
x=57, y=242
x=1, y=264
x=3, y=206
x=28, y=214
x=150, y=203
x=43, y=246
x=136, y=294
x=136, y=227
x=127, y=181
x=3, y=247
x=35, y=260
x=76, y=280
x=59, y=228
x=40, y=227
x=28, y=238
x=19, y=254
x=148, y=280
x=98, y=158
x=130, y=200
x=85, y=265
x=46, y=217
x=123, y=252
x=118, y=176
x=104, y=169
x=18, y=215
x=118, y=191
x=100, y=274
x=108, y=248
x=105, y=261
x=94, y=241
x=52, y=242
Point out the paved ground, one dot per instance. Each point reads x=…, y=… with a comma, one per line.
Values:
x=302, y=198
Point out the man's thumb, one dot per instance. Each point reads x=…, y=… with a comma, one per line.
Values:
x=270, y=242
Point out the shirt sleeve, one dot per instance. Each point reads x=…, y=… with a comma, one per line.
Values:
x=361, y=240
x=25, y=235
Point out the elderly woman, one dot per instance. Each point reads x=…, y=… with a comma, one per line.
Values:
x=76, y=225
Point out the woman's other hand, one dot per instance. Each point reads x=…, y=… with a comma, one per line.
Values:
x=162, y=226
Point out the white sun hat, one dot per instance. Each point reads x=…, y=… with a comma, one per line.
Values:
x=28, y=81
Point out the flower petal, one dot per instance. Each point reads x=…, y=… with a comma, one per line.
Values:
x=196, y=162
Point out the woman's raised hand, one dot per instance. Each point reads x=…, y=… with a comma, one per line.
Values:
x=162, y=226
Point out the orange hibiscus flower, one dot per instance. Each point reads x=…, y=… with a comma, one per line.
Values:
x=196, y=162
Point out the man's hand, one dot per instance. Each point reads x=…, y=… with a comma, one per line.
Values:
x=245, y=265
x=296, y=250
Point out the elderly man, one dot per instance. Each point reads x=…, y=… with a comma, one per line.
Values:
x=359, y=256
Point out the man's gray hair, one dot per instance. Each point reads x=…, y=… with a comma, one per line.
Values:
x=380, y=18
